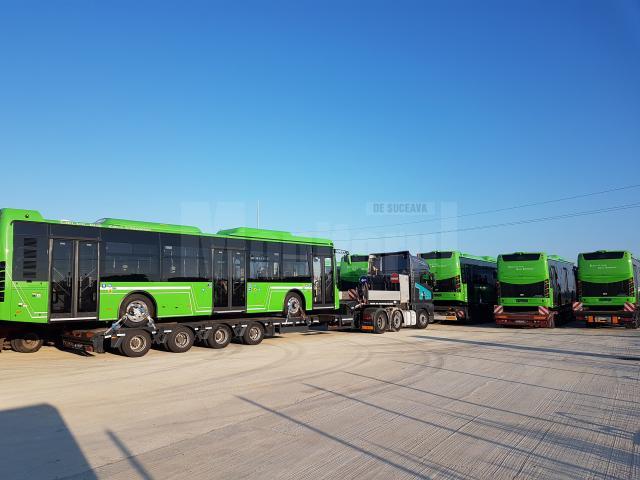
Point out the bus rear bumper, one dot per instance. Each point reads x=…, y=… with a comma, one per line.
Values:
x=614, y=318
x=532, y=320
x=450, y=314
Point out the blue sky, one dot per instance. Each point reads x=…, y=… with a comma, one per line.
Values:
x=193, y=112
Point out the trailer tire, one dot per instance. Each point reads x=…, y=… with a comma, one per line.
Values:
x=179, y=340
x=135, y=344
x=219, y=337
x=293, y=305
x=380, y=321
x=422, y=319
x=29, y=342
x=137, y=308
x=395, y=321
x=253, y=334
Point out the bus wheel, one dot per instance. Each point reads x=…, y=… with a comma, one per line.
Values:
x=253, y=334
x=179, y=340
x=293, y=305
x=135, y=344
x=379, y=321
x=395, y=323
x=422, y=319
x=137, y=308
x=219, y=337
x=29, y=342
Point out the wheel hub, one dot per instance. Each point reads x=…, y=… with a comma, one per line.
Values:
x=138, y=343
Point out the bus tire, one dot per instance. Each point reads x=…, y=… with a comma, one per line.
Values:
x=395, y=322
x=180, y=339
x=135, y=344
x=380, y=321
x=29, y=342
x=253, y=334
x=293, y=305
x=422, y=319
x=138, y=309
x=219, y=337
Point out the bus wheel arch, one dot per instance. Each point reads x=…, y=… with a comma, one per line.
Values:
x=294, y=299
x=135, y=301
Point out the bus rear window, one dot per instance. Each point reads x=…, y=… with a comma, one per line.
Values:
x=603, y=255
x=521, y=257
x=436, y=255
x=359, y=258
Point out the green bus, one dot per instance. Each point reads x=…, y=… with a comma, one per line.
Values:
x=56, y=273
x=352, y=268
x=465, y=285
x=608, y=291
x=534, y=289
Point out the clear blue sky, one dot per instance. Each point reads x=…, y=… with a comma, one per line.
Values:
x=194, y=112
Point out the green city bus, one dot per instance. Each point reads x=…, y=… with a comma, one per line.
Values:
x=465, y=285
x=534, y=289
x=56, y=272
x=352, y=268
x=608, y=288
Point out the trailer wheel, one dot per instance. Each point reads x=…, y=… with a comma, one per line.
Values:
x=219, y=337
x=180, y=339
x=422, y=319
x=293, y=305
x=380, y=321
x=29, y=342
x=136, y=344
x=395, y=322
x=253, y=334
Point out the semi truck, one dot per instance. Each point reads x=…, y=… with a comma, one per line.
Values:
x=395, y=292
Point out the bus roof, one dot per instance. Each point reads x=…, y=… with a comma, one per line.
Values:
x=557, y=258
x=243, y=232
x=482, y=258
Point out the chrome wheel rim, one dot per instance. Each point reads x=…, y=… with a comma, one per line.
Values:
x=254, y=333
x=293, y=305
x=182, y=339
x=220, y=336
x=137, y=311
x=138, y=343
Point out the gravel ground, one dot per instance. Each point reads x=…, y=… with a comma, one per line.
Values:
x=451, y=401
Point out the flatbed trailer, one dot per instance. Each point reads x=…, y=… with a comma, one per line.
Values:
x=628, y=316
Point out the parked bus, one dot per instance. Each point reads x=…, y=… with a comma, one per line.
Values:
x=534, y=289
x=465, y=285
x=57, y=275
x=352, y=268
x=608, y=291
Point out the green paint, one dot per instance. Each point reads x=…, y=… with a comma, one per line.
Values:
x=605, y=271
x=26, y=301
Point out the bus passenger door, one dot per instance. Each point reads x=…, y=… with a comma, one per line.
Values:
x=229, y=280
x=74, y=280
x=323, y=282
